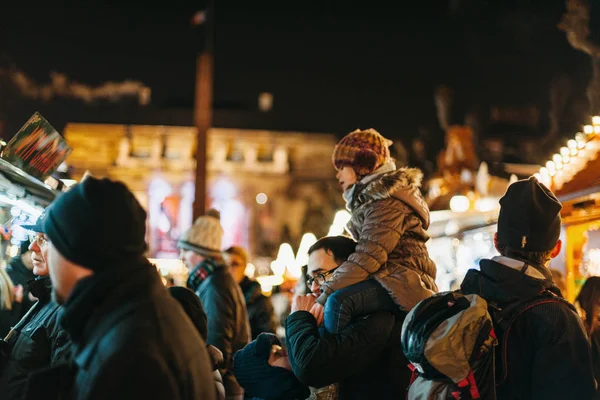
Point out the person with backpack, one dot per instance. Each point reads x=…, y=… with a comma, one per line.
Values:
x=508, y=315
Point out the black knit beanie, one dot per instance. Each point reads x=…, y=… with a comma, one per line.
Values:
x=97, y=224
x=529, y=217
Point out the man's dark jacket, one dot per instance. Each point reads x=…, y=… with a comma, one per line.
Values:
x=132, y=340
x=37, y=342
x=365, y=359
x=547, y=351
x=228, y=327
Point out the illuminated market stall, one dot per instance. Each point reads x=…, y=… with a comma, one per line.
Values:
x=574, y=175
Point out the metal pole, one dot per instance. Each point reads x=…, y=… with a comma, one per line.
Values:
x=203, y=110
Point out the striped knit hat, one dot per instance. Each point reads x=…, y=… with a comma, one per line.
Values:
x=363, y=151
x=205, y=236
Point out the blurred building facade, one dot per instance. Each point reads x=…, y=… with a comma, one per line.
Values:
x=270, y=186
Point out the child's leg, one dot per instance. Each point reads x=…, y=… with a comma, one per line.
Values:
x=344, y=305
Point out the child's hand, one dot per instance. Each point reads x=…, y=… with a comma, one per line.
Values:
x=317, y=311
x=303, y=303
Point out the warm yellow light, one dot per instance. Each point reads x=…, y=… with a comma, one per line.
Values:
x=557, y=159
x=596, y=120
x=308, y=239
x=581, y=140
x=460, y=204
x=588, y=129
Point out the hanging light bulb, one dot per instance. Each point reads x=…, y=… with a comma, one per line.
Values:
x=588, y=129
x=557, y=159
x=564, y=152
x=596, y=120
x=551, y=168
x=580, y=138
x=597, y=129
x=572, y=144
x=544, y=171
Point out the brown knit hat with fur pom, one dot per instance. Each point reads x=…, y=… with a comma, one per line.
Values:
x=363, y=151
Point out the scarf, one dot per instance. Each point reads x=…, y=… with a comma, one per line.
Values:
x=357, y=187
x=203, y=270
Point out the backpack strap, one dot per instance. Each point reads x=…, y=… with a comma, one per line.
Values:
x=509, y=314
x=468, y=387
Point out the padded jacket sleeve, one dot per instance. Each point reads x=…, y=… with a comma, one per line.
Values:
x=319, y=358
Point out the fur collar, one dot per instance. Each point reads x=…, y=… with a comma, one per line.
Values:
x=383, y=187
x=402, y=184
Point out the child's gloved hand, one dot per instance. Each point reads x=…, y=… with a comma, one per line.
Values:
x=318, y=312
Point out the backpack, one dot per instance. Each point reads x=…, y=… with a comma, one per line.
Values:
x=450, y=340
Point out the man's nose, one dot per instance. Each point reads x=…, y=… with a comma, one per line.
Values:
x=315, y=288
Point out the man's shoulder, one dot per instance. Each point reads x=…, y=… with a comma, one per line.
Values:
x=220, y=284
x=550, y=320
x=152, y=325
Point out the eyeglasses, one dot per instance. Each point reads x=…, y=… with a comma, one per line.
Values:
x=319, y=278
x=40, y=240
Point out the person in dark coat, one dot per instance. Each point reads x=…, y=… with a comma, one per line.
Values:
x=547, y=354
x=37, y=341
x=261, y=313
x=587, y=304
x=193, y=308
x=221, y=297
x=20, y=270
x=131, y=339
x=264, y=371
x=365, y=359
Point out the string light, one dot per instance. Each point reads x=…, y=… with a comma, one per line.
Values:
x=557, y=160
x=551, y=168
x=571, y=158
x=580, y=139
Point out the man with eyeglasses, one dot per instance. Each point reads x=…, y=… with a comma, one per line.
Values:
x=365, y=358
x=37, y=341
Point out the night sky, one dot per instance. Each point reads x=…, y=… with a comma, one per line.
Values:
x=332, y=66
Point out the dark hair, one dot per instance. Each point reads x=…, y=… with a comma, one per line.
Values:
x=537, y=257
x=193, y=308
x=340, y=246
x=588, y=299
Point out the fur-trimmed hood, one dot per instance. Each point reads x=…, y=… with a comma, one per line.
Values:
x=402, y=184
